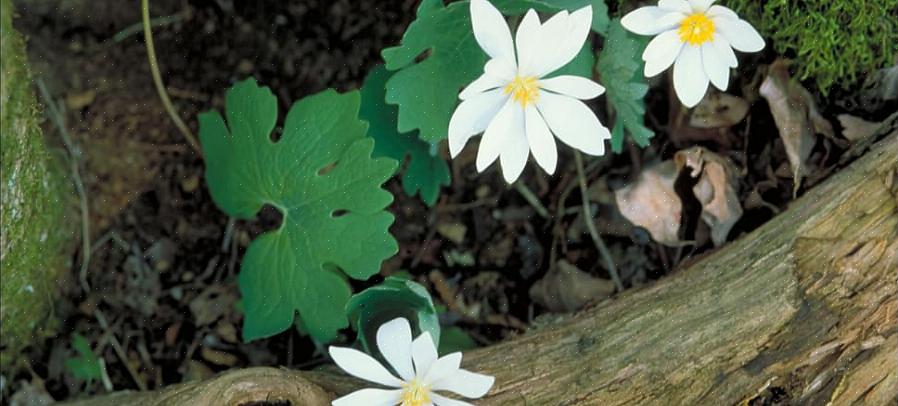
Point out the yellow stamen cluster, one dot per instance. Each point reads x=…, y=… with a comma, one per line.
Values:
x=697, y=29
x=523, y=89
x=414, y=393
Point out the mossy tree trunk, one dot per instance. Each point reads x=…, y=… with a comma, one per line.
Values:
x=32, y=226
x=803, y=310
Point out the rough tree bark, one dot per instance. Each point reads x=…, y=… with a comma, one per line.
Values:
x=801, y=311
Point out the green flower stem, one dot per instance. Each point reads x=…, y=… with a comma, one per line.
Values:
x=587, y=218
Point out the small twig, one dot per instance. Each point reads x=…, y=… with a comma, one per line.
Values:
x=119, y=351
x=75, y=155
x=229, y=233
x=157, y=79
x=587, y=217
x=137, y=27
x=531, y=198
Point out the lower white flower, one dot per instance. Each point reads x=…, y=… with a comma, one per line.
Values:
x=421, y=372
x=514, y=106
x=697, y=38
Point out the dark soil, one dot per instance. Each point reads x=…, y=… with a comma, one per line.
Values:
x=162, y=304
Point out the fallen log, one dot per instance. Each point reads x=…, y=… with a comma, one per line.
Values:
x=803, y=310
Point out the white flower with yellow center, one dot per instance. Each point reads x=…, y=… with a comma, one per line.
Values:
x=697, y=38
x=514, y=106
x=421, y=372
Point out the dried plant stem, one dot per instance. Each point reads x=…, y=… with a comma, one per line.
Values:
x=75, y=156
x=590, y=225
x=157, y=79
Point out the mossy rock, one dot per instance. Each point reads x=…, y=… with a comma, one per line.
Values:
x=32, y=214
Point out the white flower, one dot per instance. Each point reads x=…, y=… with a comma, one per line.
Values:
x=515, y=108
x=420, y=371
x=697, y=38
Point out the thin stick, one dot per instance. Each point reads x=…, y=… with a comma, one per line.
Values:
x=157, y=79
x=531, y=198
x=75, y=155
x=587, y=217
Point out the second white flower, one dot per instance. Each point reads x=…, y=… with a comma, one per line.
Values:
x=515, y=108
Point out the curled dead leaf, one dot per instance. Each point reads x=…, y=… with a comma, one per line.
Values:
x=565, y=288
x=652, y=203
x=855, y=128
x=796, y=115
x=719, y=110
x=717, y=189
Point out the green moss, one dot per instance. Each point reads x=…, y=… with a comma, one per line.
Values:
x=834, y=41
x=31, y=205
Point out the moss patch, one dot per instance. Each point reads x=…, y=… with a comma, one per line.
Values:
x=834, y=41
x=31, y=213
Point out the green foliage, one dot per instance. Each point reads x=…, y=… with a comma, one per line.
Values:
x=620, y=69
x=86, y=366
x=395, y=297
x=33, y=195
x=455, y=339
x=427, y=91
x=835, y=42
x=322, y=179
x=426, y=171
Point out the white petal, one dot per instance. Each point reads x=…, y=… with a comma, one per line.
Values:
x=725, y=50
x=501, y=68
x=483, y=83
x=573, y=123
x=741, y=35
x=542, y=143
x=690, y=79
x=444, y=366
x=721, y=11
x=579, y=23
x=424, y=353
x=468, y=384
x=574, y=86
x=439, y=400
x=715, y=66
x=553, y=32
x=372, y=397
x=491, y=30
x=651, y=20
x=514, y=156
x=528, y=42
x=661, y=52
x=394, y=340
x=496, y=136
x=700, y=6
x=472, y=116
x=682, y=6
x=361, y=365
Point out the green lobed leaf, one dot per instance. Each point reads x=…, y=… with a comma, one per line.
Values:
x=86, y=366
x=395, y=297
x=321, y=177
x=427, y=91
x=620, y=69
x=426, y=171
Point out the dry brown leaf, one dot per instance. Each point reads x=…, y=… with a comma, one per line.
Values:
x=719, y=110
x=565, y=288
x=855, y=128
x=652, y=203
x=717, y=189
x=796, y=116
